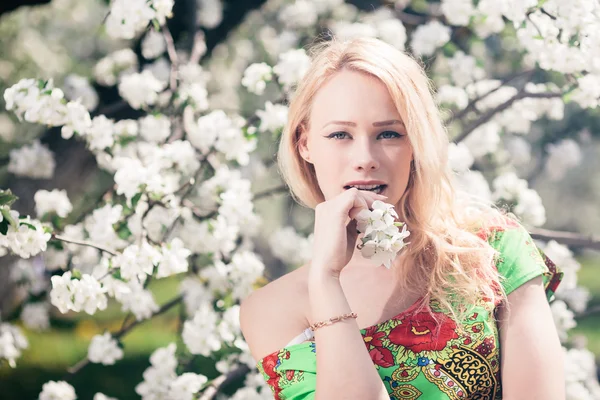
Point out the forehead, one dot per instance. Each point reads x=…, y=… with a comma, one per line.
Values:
x=352, y=96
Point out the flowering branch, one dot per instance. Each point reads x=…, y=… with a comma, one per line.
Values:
x=471, y=106
x=172, y=56
x=522, y=94
x=221, y=381
x=83, y=243
x=71, y=371
x=567, y=238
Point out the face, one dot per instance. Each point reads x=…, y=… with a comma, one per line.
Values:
x=356, y=137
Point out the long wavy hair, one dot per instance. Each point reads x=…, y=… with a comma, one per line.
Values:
x=445, y=257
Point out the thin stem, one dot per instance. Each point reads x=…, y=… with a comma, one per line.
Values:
x=71, y=371
x=221, y=381
x=471, y=106
x=82, y=243
x=491, y=113
x=567, y=238
x=199, y=47
x=172, y=56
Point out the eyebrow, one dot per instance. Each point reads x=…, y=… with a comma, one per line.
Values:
x=376, y=124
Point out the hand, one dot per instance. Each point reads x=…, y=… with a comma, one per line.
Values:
x=335, y=231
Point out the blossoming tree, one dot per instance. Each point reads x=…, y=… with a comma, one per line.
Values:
x=182, y=203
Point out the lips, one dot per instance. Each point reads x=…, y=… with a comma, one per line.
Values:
x=371, y=188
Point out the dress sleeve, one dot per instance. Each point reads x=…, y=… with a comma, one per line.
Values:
x=291, y=372
x=520, y=260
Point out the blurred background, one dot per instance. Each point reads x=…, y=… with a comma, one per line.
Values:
x=65, y=39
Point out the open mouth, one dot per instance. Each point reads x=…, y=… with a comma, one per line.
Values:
x=371, y=188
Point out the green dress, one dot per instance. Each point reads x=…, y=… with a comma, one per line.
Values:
x=411, y=361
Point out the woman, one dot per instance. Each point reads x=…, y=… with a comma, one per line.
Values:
x=462, y=313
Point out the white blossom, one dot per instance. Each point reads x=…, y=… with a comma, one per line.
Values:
x=155, y=128
x=200, y=334
x=564, y=319
x=186, y=385
x=78, y=88
x=459, y=157
x=428, y=37
x=174, y=259
x=164, y=9
x=137, y=262
x=60, y=390
x=382, y=239
x=86, y=294
x=291, y=67
x=483, y=140
x=35, y=316
x=100, y=134
x=153, y=45
x=128, y=17
x=458, y=12
x=140, y=89
x=273, y=117
x=12, y=342
x=299, y=14
x=32, y=161
x=28, y=239
x=562, y=156
x=139, y=301
x=447, y=94
x=78, y=120
x=287, y=245
x=104, y=349
x=210, y=13
x=110, y=68
x=55, y=201
x=256, y=77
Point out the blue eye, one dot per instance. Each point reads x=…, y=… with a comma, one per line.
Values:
x=337, y=135
x=390, y=135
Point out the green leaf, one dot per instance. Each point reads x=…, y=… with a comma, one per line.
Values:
x=122, y=230
x=75, y=273
x=7, y=217
x=7, y=198
x=135, y=200
x=156, y=25
x=4, y=226
x=28, y=225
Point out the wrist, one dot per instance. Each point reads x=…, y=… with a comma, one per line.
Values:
x=318, y=274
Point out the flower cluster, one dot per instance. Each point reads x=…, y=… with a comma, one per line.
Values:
x=382, y=239
x=161, y=380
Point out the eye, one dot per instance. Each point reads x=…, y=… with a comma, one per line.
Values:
x=390, y=135
x=337, y=135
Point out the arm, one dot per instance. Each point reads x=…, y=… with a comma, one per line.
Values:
x=530, y=350
x=344, y=366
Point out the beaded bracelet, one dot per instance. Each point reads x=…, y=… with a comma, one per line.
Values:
x=332, y=320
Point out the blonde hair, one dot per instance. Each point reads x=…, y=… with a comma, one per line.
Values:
x=445, y=256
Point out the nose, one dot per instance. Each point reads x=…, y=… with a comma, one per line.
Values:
x=363, y=156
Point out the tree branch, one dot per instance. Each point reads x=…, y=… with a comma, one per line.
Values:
x=223, y=380
x=172, y=56
x=82, y=243
x=471, y=106
x=567, y=238
x=490, y=113
x=71, y=371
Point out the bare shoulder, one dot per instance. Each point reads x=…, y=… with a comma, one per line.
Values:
x=276, y=313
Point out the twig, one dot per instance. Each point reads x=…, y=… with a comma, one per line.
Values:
x=82, y=243
x=490, y=113
x=269, y=192
x=199, y=47
x=172, y=56
x=471, y=106
x=221, y=381
x=71, y=371
x=567, y=238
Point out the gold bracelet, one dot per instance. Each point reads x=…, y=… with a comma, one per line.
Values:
x=332, y=320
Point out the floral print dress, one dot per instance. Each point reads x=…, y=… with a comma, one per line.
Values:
x=413, y=362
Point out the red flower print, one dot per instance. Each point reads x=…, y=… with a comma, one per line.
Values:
x=269, y=363
x=416, y=332
x=379, y=354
